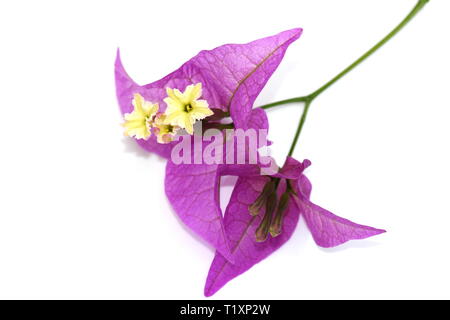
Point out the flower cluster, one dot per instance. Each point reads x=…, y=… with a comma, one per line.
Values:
x=263, y=210
x=183, y=110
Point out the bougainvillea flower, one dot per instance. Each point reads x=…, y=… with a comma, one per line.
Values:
x=184, y=108
x=138, y=123
x=263, y=210
x=231, y=75
x=165, y=133
x=241, y=227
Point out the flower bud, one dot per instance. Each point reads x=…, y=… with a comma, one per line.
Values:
x=277, y=223
x=256, y=206
x=263, y=228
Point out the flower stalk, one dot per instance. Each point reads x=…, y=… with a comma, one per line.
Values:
x=308, y=99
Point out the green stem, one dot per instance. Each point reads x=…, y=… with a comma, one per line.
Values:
x=309, y=98
x=299, y=127
x=420, y=4
x=292, y=100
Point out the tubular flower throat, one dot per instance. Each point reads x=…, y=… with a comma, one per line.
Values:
x=256, y=206
x=164, y=132
x=277, y=222
x=262, y=231
x=184, y=108
x=138, y=123
x=272, y=221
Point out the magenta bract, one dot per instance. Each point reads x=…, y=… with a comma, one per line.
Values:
x=327, y=229
x=232, y=76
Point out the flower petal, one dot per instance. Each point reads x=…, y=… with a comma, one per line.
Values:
x=250, y=68
x=257, y=121
x=193, y=191
x=329, y=230
x=292, y=169
x=240, y=227
x=193, y=92
x=154, y=92
x=231, y=75
x=199, y=113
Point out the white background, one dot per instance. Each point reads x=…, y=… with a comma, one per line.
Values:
x=82, y=209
